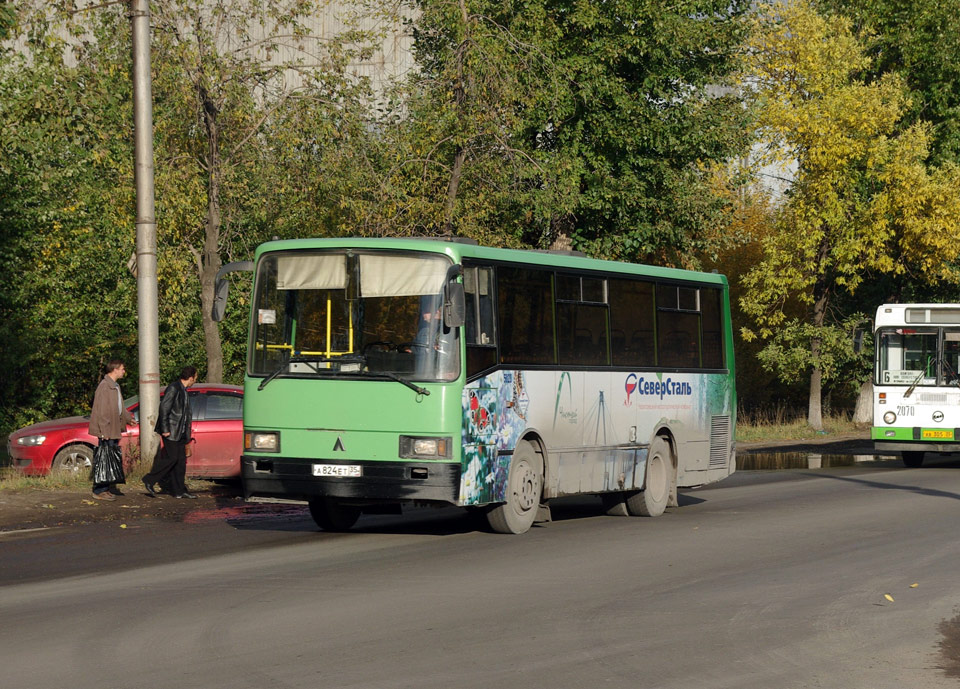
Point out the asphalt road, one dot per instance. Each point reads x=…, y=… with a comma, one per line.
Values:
x=768, y=580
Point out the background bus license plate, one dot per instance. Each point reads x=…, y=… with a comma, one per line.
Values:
x=340, y=470
x=948, y=435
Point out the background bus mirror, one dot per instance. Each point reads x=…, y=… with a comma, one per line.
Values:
x=454, y=305
x=857, y=341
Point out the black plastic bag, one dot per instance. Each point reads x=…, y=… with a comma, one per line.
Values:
x=108, y=464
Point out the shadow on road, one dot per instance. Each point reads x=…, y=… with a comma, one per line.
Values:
x=932, y=492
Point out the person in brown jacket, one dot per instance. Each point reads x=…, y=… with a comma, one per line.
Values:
x=108, y=419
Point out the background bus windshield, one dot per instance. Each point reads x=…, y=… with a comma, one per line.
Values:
x=361, y=313
x=923, y=357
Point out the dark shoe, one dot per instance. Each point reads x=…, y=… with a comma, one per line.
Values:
x=103, y=496
x=113, y=490
x=149, y=486
x=189, y=496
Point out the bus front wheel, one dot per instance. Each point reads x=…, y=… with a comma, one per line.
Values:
x=331, y=515
x=913, y=459
x=524, y=487
x=652, y=501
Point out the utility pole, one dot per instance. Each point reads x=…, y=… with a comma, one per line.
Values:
x=147, y=308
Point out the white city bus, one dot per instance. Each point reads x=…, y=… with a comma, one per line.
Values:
x=916, y=388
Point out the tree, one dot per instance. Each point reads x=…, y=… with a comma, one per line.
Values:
x=919, y=40
x=67, y=300
x=862, y=200
x=226, y=72
x=597, y=122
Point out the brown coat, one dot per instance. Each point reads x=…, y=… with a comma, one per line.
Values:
x=106, y=421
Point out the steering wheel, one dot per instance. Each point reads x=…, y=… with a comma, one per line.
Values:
x=381, y=345
x=409, y=346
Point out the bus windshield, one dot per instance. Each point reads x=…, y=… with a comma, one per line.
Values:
x=353, y=313
x=910, y=356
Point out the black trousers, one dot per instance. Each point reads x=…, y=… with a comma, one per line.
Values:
x=170, y=467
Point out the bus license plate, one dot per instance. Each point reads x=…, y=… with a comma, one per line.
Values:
x=944, y=435
x=337, y=470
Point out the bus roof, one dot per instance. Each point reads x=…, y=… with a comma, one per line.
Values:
x=917, y=314
x=458, y=251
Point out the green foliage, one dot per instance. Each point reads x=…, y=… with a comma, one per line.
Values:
x=919, y=40
x=536, y=120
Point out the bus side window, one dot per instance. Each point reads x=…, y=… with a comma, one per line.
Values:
x=631, y=322
x=479, y=324
x=525, y=314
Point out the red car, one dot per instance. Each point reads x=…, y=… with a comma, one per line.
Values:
x=65, y=444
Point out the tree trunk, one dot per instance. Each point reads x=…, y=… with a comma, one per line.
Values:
x=210, y=261
x=459, y=98
x=814, y=409
x=863, y=412
x=818, y=315
x=450, y=203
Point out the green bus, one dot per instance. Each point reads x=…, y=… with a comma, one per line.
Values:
x=390, y=372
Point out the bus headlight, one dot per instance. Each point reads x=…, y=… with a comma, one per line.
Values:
x=425, y=448
x=889, y=417
x=262, y=441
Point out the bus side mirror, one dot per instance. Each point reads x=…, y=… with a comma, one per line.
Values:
x=220, y=292
x=222, y=288
x=454, y=305
x=454, y=301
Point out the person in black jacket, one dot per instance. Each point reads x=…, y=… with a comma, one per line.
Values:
x=174, y=424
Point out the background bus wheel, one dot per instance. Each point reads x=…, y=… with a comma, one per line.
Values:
x=913, y=459
x=652, y=501
x=524, y=487
x=73, y=458
x=331, y=515
x=615, y=504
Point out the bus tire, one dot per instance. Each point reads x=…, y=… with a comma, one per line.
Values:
x=331, y=515
x=615, y=504
x=913, y=459
x=652, y=500
x=524, y=488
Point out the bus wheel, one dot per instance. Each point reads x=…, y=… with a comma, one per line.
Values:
x=524, y=487
x=331, y=515
x=652, y=501
x=615, y=504
x=913, y=459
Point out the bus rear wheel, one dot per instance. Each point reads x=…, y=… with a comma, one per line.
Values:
x=524, y=487
x=332, y=515
x=913, y=459
x=653, y=499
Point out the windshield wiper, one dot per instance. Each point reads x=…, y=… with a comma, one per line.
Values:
x=393, y=376
x=914, y=384
x=310, y=361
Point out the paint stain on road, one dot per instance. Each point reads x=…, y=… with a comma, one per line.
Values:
x=950, y=647
x=246, y=512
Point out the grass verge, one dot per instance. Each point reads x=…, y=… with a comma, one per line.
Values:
x=13, y=481
x=782, y=424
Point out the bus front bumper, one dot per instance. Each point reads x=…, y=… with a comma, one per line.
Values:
x=379, y=482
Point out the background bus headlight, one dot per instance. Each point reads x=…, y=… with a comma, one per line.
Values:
x=889, y=417
x=262, y=442
x=425, y=448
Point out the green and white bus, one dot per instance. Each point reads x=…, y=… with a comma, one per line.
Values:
x=916, y=404
x=384, y=372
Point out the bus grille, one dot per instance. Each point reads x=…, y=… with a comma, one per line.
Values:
x=719, y=441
